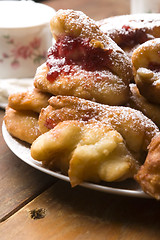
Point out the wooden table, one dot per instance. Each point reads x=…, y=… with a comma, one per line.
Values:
x=68, y=213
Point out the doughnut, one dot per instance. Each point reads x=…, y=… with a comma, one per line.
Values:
x=101, y=155
x=129, y=31
x=88, y=151
x=33, y=100
x=89, y=141
x=137, y=101
x=148, y=175
x=146, y=69
x=22, y=124
x=135, y=128
x=84, y=62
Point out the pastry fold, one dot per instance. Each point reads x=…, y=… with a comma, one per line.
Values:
x=86, y=152
x=32, y=100
x=89, y=141
x=137, y=101
x=22, y=124
x=149, y=174
x=146, y=69
x=84, y=62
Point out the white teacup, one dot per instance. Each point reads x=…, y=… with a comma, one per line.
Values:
x=145, y=6
x=24, y=37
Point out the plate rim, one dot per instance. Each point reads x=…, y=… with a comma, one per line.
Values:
x=11, y=141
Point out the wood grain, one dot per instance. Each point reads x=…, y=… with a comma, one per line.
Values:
x=81, y=213
x=19, y=183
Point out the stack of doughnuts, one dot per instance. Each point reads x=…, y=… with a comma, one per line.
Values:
x=91, y=111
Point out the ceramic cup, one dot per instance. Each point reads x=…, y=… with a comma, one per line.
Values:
x=24, y=37
x=145, y=6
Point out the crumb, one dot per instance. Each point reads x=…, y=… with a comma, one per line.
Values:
x=37, y=213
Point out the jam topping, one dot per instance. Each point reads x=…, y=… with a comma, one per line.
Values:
x=68, y=52
x=131, y=37
x=50, y=123
x=84, y=115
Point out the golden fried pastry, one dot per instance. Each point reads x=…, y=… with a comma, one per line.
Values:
x=33, y=100
x=84, y=62
x=101, y=154
x=90, y=141
x=129, y=31
x=22, y=124
x=137, y=101
x=88, y=151
x=54, y=148
x=146, y=69
x=136, y=129
x=149, y=174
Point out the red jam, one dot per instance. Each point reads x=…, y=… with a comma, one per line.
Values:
x=85, y=116
x=130, y=37
x=50, y=123
x=69, y=51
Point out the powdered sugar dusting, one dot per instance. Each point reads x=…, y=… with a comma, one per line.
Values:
x=136, y=129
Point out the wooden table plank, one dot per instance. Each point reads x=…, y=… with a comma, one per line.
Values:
x=94, y=8
x=19, y=182
x=81, y=213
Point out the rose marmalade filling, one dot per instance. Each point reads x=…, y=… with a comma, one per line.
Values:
x=69, y=51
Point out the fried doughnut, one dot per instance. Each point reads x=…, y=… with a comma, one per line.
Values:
x=90, y=141
x=33, y=100
x=22, y=124
x=149, y=174
x=101, y=154
x=84, y=62
x=146, y=69
x=137, y=101
x=136, y=129
x=129, y=31
x=87, y=151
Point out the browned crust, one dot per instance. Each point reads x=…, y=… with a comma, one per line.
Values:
x=103, y=87
x=109, y=86
x=22, y=124
x=77, y=24
x=33, y=100
x=147, y=80
x=149, y=174
x=137, y=101
x=136, y=129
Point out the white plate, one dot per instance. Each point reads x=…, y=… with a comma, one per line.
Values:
x=22, y=150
